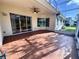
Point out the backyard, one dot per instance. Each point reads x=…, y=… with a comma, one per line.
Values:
x=69, y=28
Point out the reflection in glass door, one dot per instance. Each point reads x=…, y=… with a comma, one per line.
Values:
x=20, y=23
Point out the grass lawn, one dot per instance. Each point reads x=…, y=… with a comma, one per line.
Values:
x=69, y=28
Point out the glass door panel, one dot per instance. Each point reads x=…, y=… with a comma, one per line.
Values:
x=23, y=23
x=13, y=22
x=29, y=23
x=17, y=22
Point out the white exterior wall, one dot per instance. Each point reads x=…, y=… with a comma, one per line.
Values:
x=6, y=23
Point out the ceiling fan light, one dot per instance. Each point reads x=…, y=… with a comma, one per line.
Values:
x=35, y=12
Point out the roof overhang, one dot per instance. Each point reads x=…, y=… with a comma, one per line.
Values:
x=44, y=8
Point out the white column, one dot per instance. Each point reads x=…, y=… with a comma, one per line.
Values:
x=1, y=37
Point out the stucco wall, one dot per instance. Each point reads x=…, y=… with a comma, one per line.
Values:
x=6, y=23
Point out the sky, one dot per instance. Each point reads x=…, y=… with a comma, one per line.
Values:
x=68, y=8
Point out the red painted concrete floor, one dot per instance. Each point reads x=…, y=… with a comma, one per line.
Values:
x=38, y=45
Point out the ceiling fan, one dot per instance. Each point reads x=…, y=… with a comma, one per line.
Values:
x=35, y=10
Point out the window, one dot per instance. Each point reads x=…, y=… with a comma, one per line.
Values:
x=43, y=22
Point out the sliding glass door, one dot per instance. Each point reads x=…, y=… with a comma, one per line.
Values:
x=20, y=23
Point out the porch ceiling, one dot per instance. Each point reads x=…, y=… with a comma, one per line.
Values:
x=29, y=4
